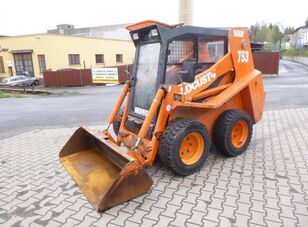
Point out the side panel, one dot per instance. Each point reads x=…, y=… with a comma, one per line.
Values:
x=207, y=116
x=250, y=99
x=241, y=52
x=253, y=98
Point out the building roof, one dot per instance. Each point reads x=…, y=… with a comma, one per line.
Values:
x=107, y=26
x=300, y=28
x=114, y=31
x=101, y=26
x=52, y=34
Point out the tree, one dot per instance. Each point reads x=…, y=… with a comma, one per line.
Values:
x=289, y=30
x=276, y=34
x=270, y=33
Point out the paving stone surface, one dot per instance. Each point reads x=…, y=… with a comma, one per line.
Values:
x=266, y=186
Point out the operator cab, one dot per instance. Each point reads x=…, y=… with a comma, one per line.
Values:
x=170, y=55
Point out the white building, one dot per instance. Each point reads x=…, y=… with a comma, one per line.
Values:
x=300, y=37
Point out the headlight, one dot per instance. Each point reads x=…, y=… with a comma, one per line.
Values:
x=153, y=32
x=135, y=36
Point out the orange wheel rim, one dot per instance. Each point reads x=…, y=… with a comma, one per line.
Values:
x=239, y=133
x=192, y=148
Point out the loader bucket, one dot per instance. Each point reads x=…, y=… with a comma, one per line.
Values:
x=106, y=175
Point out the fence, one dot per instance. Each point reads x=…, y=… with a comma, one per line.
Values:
x=266, y=62
x=68, y=78
x=82, y=77
x=123, y=74
x=299, y=59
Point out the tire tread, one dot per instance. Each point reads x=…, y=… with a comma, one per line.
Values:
x=168, y=141
x=223, y=126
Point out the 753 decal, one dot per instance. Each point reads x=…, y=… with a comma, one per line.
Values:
x=243, y=56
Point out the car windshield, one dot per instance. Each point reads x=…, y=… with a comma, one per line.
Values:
x=146, y=77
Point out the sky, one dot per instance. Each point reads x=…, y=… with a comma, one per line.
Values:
x=19, y=17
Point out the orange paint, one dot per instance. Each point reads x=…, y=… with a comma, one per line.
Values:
x=122, y=176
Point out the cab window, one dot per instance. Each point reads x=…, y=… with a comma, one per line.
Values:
x=205, y=52
x=210, y=51
x=179, y=51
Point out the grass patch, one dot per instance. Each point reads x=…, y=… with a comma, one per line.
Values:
x=9, y=95
x=292, y=51
x=69, y=92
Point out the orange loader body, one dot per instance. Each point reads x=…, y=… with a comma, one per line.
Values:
x=111, y=170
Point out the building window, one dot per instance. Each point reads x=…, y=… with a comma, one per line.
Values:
x=119, y=58
x=99, y=58
x=42, y=62
x=1, y=65
x=74, y=59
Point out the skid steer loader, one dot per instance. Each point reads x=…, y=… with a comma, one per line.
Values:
x=192, y=87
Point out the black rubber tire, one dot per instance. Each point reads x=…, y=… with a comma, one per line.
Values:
x=171, y=141
x=223, y=129
x=36, y=82
x=117, y=123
